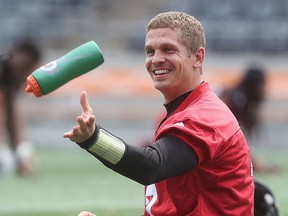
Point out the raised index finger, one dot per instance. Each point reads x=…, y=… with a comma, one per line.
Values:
x=84, y=103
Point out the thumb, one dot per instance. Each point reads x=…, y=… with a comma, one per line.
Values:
x=85, y=103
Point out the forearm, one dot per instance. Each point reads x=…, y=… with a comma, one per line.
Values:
x=129, y=161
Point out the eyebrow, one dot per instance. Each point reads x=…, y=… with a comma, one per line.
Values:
x=147, y=47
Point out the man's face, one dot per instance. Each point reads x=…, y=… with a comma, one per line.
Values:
x=169, y=63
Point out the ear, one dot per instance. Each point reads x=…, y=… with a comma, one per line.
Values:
x=199, y=57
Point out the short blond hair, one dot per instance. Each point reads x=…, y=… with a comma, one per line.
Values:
x=191, y=31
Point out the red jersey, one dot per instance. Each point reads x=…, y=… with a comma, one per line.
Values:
x=222, y=183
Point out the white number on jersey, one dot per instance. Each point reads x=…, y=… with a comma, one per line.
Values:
x=151, y=197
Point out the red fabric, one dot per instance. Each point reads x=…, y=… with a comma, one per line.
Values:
x=222, y=183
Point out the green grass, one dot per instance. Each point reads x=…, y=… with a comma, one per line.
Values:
x=67, y=183
x=71, y=181
x=277, y=182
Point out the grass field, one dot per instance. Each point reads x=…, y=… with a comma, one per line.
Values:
x=277, y=182
x=71, y=181
x=67, y=183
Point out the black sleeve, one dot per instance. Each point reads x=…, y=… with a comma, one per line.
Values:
x=167, y=157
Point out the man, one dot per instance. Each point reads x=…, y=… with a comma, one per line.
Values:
x=22, y=59
x=199, y=162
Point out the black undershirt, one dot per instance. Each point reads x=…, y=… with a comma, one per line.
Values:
x=167, y=157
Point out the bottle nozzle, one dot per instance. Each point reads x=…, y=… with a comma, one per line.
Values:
x=28, y=89
x=32, y=86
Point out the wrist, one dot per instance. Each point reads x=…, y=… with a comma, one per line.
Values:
x=91, y=140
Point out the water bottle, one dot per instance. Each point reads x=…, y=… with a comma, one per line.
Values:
x=58, y=72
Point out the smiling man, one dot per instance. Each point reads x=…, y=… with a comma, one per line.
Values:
x=199, y=162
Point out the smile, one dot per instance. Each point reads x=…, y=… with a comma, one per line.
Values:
x=161, y=72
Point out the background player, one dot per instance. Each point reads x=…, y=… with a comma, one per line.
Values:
x=15, y=66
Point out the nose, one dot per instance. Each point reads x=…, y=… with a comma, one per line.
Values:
x=158, y=57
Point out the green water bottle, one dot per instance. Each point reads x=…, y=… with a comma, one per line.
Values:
x=56, y=73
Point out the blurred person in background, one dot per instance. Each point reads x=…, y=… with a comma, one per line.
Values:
x=245, y=100
x=199, y=161
x=15, y=66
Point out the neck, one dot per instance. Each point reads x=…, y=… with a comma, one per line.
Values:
x=171, y=95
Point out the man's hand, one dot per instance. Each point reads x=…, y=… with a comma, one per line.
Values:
x=86, y=122
x=86, y=213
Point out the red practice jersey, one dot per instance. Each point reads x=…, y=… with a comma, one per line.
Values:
x=222, y=183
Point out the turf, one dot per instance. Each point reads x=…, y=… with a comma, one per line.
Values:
x=71, y=181
x=68, y=182
x=277, y=182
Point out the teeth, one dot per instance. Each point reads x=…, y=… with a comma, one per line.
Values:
x=160, y=72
